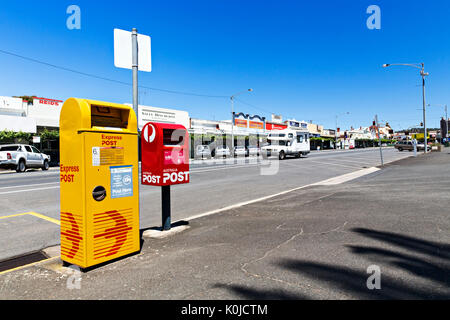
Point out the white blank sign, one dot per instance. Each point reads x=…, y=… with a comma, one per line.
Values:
x=123, y=57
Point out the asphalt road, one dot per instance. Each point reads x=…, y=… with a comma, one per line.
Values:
x=214, y=185
x=318, y=242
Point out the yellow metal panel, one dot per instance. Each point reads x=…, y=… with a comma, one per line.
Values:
x=93, y=231
x=113, y=223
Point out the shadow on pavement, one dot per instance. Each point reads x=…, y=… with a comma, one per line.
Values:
x=424, y=262
x=254, y=294
x=433, y=267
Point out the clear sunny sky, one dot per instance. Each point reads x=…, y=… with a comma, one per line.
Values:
x=308, y=60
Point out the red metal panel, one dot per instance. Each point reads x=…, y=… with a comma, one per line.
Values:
x=165, y=154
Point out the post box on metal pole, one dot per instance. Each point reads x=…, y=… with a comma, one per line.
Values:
x=165, y=161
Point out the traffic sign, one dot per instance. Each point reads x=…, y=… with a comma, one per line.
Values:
x=123, y=51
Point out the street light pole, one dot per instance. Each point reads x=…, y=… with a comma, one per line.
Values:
x=232, y=117
x=232, y=124
x=422, y=73
x=335, y=136
x=446, y=124
x=421, y=67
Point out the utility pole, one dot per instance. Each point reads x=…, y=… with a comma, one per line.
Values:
x=421, y=67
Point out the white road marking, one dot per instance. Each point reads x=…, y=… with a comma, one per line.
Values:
x=346, y=177
x=27, y=190
x=343, y=178
x=30, y=185
x=358, y=162
x=333, y=164
x=226, y=167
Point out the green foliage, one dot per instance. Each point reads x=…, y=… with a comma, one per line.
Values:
x=47, y=135
x=388, y=141
x=321, y=139
x=8, y=136
x=28, y=99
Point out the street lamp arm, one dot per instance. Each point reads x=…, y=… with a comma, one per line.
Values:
x=415, y=65
x=236, y=94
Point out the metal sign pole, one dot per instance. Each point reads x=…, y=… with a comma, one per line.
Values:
x=415, y=147
x=165, y=205
x=379, y=139
x=135, y=72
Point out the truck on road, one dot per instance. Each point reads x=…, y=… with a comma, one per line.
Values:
x=294, y=142
x=21, y=157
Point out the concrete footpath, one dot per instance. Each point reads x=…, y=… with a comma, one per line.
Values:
x=312, y=243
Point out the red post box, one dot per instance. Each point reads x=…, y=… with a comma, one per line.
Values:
x=165, y=154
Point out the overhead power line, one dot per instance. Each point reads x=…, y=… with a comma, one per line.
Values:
x=253, y=106
x=108, y=79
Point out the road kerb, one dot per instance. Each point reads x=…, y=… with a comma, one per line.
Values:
x=159, y=234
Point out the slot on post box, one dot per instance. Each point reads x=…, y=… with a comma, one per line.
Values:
x=100, y=201
x=173, y=137
x=102, y=116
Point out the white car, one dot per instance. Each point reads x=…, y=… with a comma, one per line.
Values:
x=222, y=151
x=240, y=151
x=253, y=151
x=202, y=152
x=21, y=157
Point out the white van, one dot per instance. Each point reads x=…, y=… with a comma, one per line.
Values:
x=287, y=142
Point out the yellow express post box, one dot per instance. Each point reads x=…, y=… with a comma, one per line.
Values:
x=99, y=182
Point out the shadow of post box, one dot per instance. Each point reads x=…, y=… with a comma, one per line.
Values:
x=99, y=182
x=165, y=154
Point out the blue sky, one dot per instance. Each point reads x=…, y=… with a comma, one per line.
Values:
x=308, y=60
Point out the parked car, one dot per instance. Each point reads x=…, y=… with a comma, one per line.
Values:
x=240, y=151
x=408, y=145
x=421, y=146
x=21, y=157
x=253, y=151
x=221, y=151
x=202, y=152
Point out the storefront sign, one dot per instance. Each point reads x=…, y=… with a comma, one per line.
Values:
x=240, y=123
x=256, y=125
